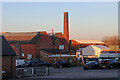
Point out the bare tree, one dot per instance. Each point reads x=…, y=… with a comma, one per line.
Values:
x=111, y=40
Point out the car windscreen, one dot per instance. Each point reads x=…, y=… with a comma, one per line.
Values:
x=105, y=61
x=42, y=61
x=90, y=63
x=64, y=62
x=25, y=61
x=115, y=60
x=56, y=62
x=29, y=61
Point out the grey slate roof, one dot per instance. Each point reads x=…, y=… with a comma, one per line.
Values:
x=5, y=48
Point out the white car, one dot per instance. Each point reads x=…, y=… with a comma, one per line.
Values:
x=21, y=63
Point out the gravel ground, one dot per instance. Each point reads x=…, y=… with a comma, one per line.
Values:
x=77, y=73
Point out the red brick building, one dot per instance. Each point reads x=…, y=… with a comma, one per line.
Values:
x=76, y=44
x=8, y=59
x=59, y=39
x=27, y=45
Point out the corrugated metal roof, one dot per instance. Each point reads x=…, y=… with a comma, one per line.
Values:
x=89, y=41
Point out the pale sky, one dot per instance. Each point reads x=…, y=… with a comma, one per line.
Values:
x=87, y=20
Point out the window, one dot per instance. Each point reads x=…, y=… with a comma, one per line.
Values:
x=29, y=56
x=23, y=54
x=17, y=46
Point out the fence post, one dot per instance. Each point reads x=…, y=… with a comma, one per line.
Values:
x=32, y=71
x=47, y=70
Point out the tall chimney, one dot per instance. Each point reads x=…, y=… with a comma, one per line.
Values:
x=66, y=26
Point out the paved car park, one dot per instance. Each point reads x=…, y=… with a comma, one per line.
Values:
x=79, y=72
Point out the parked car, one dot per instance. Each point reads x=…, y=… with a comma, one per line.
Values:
x=21, y=63
x=45, y=63
x=109, y=63
x=92, y=65
x=36, y=63
x=61, y=64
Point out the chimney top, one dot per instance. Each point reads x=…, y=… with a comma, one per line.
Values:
x=66, y=13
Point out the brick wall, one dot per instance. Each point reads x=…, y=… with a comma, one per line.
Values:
x=17, y=51
x=33, y=49
x=6, y=66
x=61, y=41
x=28, y=49
x=44, y=42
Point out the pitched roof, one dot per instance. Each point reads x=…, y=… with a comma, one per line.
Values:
x=53, y=38
x=5, y=48
x=19, y=36
x=60, y=35
x=89, y=41
x=23, y=37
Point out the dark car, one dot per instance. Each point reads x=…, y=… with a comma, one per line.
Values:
x=92, y=65
x=45, y=63
x=110, y=63
x=61, y=64
x=36, y=63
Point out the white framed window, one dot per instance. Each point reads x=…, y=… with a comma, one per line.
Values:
x=23, y=54
x=29, y=56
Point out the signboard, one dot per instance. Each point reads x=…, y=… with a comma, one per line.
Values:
x=61, y=47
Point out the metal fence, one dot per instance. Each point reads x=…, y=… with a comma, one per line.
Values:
x=32, y=71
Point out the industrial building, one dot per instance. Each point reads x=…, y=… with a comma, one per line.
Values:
x=76, y=44
x=28, y=45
